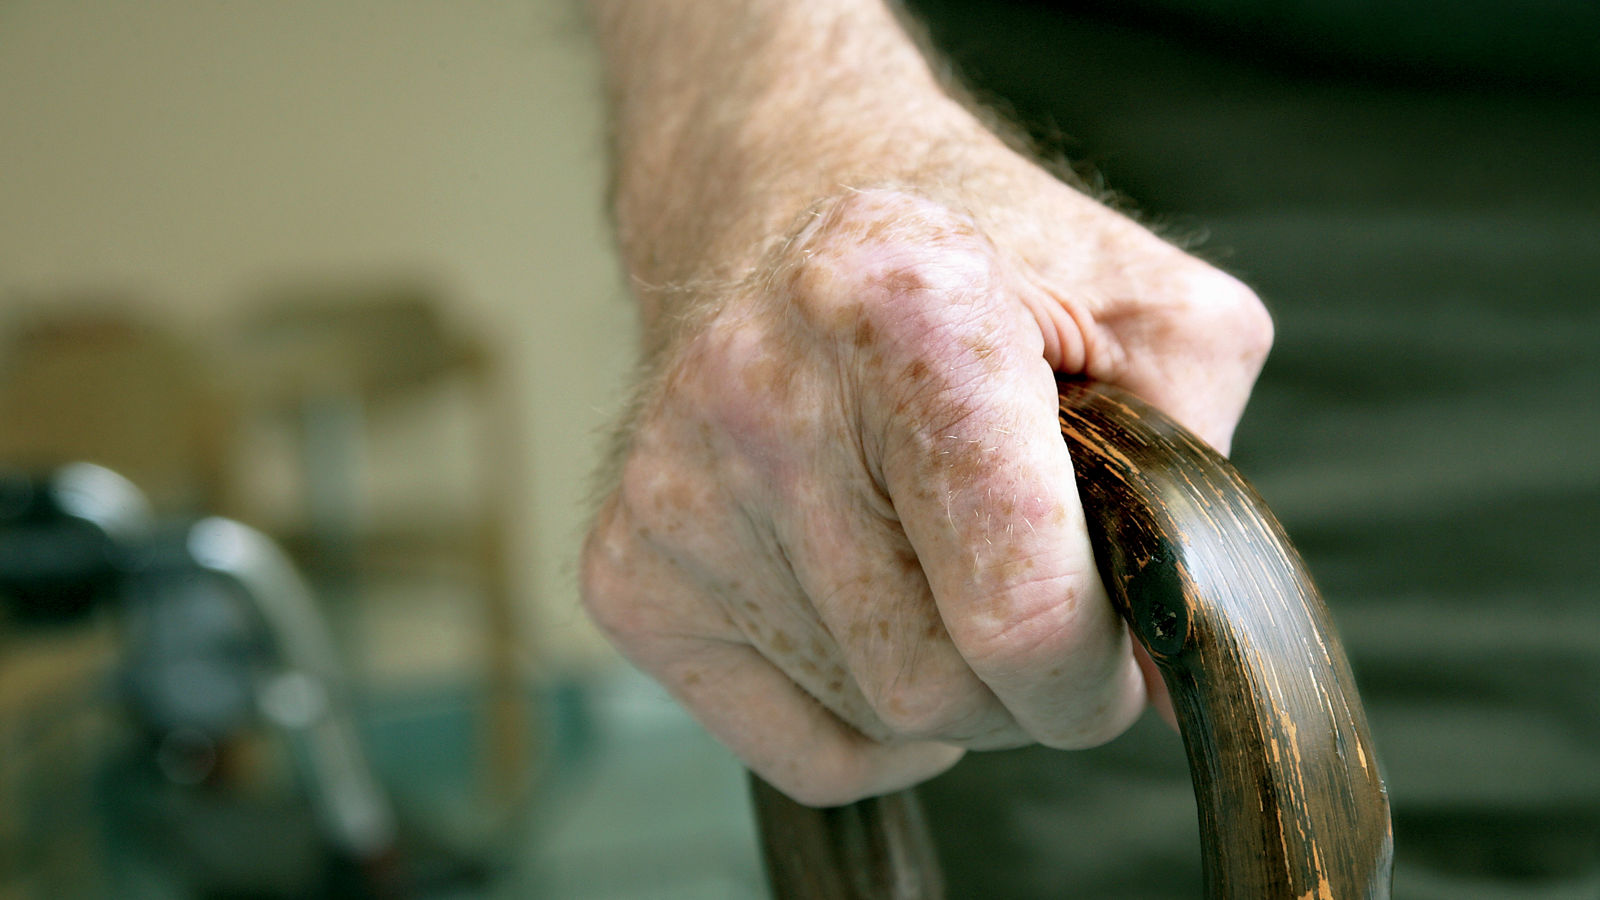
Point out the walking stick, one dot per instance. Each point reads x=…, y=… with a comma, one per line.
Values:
x=1290, y=798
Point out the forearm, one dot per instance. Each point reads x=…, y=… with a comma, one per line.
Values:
x=730, y=117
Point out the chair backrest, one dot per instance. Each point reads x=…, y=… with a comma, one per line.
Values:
x=103, y=386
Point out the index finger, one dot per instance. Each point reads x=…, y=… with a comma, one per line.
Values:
x=984, y=487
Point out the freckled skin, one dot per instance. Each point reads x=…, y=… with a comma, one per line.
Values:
x=860, y=477
x=842, y=527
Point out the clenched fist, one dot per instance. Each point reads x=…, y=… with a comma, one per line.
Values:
x=844, y=529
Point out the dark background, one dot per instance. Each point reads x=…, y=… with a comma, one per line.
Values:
x=1414, y=193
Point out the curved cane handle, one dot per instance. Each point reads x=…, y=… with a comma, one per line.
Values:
x=1291, y=802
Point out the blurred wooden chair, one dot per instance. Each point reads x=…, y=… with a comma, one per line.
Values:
x=337, y=360
x=97, y=383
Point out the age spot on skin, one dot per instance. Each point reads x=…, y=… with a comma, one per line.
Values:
x=675, y=497
x=903, y=281
x=876, y=231
x=865, y=335
x=984, y=351
x=782, y=643
x=1013, y=569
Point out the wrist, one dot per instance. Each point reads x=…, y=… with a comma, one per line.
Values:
x=721, y=143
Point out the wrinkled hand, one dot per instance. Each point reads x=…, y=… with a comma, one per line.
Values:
x=847, y=535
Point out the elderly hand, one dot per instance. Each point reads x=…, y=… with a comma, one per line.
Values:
x=844, y=530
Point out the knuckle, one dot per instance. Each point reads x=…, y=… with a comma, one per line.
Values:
x=605, y=585
x=1032, y=633
x=653, y=498
x=720, y=373
x=832, y=777
x=742, y=408
x=674, y=486
x=914, y=708
x=1234, y=314
x=1256, y=329
x=821, y=792
x=1101, y=726
x=627, y=580
x=1106, y=704
x=905, y=296
x=885, y=259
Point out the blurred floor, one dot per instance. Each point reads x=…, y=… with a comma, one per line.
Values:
x=631, y=799
x=653, y=809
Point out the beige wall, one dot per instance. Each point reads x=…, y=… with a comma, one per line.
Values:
x=191, y=150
